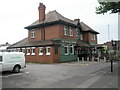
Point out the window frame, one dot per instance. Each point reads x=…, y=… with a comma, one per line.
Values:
x=66, y=30
x=23, y=50
x=33, y=51
x=47, y=51
x=71, y=48
x=66, y=46
x=32, y=34
x=77, y=33
x=71, y=31
x=93, y=37
x=81, y=36
x=28, y=51
x=40, y=53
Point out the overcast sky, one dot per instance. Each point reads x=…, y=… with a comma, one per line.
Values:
x=17, y=14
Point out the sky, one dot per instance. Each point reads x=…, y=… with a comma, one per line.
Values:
x=17, y=14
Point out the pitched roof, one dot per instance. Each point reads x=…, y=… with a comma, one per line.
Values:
x=86, y=28
x=52, y=17
x=25, y=43
x=55, y=17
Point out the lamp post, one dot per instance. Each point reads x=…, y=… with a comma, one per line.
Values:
x=109, y=50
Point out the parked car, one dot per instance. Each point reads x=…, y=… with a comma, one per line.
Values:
x=12, y=61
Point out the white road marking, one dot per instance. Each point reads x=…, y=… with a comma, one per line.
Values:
x=89, y=82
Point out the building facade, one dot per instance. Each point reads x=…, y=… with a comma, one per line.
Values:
x=53, y=38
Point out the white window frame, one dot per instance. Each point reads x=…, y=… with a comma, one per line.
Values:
x=66, y=30
x=81, y=36
x=33, y=53
x=28, y=53
x=32, y=33
x=23, y=50
x=40, y=48
x=71, y=46
x=77, y=33
x=48, y=52
x=67, y=49
x=71, y=31
x=93, y=36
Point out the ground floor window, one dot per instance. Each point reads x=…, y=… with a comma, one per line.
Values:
x=71, y=49
x=33, y=51
x=41, y=51
x=23, y=50
x=28, y=51
x=47, y=50
x=66, y=49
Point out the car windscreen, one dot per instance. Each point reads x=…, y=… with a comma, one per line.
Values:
x=1, y=59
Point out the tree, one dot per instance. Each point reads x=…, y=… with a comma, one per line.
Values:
x=104, y=7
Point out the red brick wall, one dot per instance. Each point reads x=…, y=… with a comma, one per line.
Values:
x=52, y=58
x=37, y=35
x=57, y=31
x=51, y=32
x=87, y=36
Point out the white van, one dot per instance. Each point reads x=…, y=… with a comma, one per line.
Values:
x=12, y=61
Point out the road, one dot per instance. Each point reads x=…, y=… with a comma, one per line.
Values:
x=63, y=75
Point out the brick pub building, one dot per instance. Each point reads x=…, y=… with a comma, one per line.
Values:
x=53, y=38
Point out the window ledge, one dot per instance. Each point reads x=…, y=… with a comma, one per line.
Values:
x=33, y=54
x=40, y=54
x=28, y=54
x=48, y=54
x=65, y=54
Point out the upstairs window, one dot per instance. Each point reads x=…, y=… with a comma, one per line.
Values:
x=71, y=31
x=92, y=36
x=33, y=34
x=77, y=34
x=81, y=37
x=66, y=30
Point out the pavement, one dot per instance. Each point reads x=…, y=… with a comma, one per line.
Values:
x=64, y=75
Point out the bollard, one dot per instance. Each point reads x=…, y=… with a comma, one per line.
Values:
x=82, y=58
x=78, y=59
x=104, y=59
x=87, y=58
x=111, y=65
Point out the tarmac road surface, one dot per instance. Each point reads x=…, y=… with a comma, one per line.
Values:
x=63, y=75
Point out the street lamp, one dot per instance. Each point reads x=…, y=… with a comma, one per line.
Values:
x=109, y=50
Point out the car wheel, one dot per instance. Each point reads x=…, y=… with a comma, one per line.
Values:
x=16, y=69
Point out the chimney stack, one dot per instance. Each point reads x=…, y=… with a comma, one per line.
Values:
x=41, y=10
x=78, y=20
